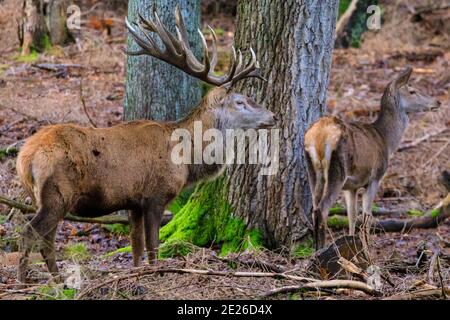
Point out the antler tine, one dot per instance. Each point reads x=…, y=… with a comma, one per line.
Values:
x=149, y=48
x=163, y=34
x=178, y=53
x=148, y=25
x=214, y=48
x=207, y=67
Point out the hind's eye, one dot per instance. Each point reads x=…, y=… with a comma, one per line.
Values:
x=412, y=91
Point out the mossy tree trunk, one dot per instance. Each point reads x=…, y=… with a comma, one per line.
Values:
x=294, y=42
x=43, y=24
x=154, y=89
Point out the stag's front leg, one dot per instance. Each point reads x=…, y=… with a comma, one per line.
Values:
x=152, y=221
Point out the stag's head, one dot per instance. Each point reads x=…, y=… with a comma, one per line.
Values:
x=233, y=110
x=409, y=98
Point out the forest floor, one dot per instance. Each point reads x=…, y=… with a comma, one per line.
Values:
x=89, y=81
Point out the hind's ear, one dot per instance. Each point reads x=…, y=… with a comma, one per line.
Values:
x=402, y=79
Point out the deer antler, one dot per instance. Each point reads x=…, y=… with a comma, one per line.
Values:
x=178, y=53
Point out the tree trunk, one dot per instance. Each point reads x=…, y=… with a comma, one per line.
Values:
x=43, y=24
x=154, y=89
x=294, y=41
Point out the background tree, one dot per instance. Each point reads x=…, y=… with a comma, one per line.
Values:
x=43, y=24
x=294, y=43
x=154, y=89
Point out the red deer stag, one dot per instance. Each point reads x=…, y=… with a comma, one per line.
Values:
x=94, y=172
x=352, y=155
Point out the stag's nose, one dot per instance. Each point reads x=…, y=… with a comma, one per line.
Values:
x=275, y=118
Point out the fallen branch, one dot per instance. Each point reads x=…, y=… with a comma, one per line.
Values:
x=418, y=141
x=330, y=284
x=109, y=219
x=377, y=212
x=430, y=220
x=419, y=294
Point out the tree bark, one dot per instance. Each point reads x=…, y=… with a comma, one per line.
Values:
x=294, y=41
x=154, y=89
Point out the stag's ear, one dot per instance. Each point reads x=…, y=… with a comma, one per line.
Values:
x=402, y=79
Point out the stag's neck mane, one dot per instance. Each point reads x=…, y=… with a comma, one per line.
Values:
x=206, y=113
x=392, y=120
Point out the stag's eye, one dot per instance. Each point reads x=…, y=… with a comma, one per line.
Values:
x=412, y=91
x=240, y=104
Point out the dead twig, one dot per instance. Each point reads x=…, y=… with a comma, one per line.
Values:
x=154, y=271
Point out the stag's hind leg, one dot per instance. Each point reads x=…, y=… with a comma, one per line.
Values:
x=41, y=230
x=137, y=236
x=152, y=220
x=48, y=251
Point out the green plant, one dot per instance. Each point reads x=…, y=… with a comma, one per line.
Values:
x=117, y=229
x=337, y=222
x=77, y=252
x=415, y=213
x=56, y=292
x=304, y=249
x=126, y=249
x=175, y=248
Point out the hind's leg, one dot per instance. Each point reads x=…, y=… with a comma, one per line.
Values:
x=334, y=184
x=351, y=202
x=367, y=201
x=137, y=236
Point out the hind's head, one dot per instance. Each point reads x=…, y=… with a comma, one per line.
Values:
x=411, y=100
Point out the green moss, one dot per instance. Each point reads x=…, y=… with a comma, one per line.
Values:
x=206, y=219
x=336, y=209
x=117, y=229
x=32, y=57
x=415, y=213
x=77, y=252
x=45, y=43
x=337, y=222
x=435, y=212
x=179, y=202
x=304, y=249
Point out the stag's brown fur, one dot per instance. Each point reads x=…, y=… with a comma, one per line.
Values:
x=93, y=172
x=352, y=155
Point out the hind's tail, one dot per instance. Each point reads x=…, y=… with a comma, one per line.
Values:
x=320, y=142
